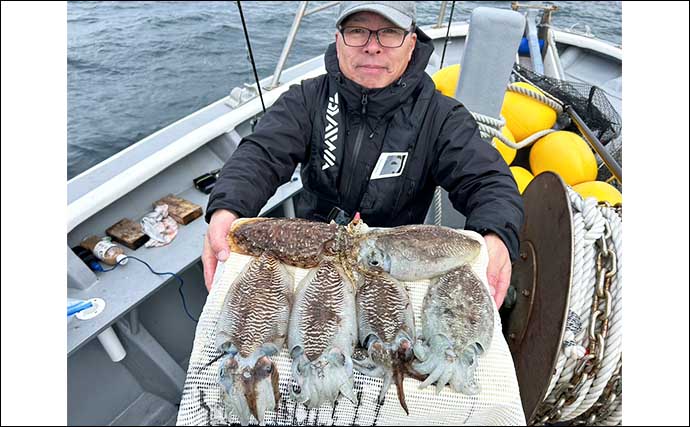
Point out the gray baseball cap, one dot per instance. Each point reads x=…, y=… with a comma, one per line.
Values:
x=401, y=13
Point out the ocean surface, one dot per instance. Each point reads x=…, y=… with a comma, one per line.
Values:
x=136, y=67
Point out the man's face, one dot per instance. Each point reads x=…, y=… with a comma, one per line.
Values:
x=373, y=66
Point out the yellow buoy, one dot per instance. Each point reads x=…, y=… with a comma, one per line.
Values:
x=524, y=115
x=602, y=191
x=508, y=153
x=522, y=177
x=566, y=154
x=446, y=79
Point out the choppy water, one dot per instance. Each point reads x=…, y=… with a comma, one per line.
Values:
x=135, y=67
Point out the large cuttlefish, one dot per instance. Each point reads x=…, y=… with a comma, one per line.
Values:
x=252, y=327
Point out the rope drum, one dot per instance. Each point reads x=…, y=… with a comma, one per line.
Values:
x=585, y=387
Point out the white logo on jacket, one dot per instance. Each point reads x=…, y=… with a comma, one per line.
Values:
x=331, y=132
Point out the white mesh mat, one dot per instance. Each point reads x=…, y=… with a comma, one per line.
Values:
x=498, y=403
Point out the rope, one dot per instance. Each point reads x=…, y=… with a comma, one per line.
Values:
x=614, y=339
x=490, y=127
x=616, y=416
x=538, y=96
x=597, y=232
x=590, y=228
x=581, y=301
x=438, y=207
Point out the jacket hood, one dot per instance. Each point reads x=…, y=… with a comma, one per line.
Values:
x=380, y=101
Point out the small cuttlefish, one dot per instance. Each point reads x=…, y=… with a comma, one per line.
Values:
x=322, y=337
x=251, y=329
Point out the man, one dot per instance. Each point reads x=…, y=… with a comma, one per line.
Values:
x=373, y=136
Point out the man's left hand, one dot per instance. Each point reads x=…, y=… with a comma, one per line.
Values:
x=499, y=269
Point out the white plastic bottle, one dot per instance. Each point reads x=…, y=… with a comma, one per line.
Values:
x=105, y=250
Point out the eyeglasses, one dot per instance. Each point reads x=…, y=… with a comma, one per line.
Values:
x=360, y=36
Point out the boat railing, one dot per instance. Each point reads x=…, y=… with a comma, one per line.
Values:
x=297, y=21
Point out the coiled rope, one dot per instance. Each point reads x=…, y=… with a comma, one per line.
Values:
x=585, y=387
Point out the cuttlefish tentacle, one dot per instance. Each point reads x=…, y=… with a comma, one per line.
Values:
x=457, y=326
x=323, y=333
x=386, y=330
x=252, y=327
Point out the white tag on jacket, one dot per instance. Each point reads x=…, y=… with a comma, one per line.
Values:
x=389, y=165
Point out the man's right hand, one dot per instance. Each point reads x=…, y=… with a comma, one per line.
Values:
x=215, y=243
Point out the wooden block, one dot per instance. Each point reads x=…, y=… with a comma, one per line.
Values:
x=128, y=233
x=182, y=211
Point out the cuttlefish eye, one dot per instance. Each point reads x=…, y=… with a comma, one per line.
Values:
x=296, y=389
x=378, y=260
x=374, y=259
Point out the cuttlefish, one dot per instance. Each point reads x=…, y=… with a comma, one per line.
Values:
x=457, y=326
x=322, y=337
x=251, y=329
x=295, y=242
x=386, y=331
x=413, y=252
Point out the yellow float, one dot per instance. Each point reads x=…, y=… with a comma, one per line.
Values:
x=524, y=115
x=566, y=154
x=602, y=191
x=446, y=79
x=522, y=177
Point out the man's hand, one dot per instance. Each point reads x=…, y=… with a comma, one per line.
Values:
x=215, y=244
x=499, y=268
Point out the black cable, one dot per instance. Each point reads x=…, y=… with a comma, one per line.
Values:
x=179, y=289
x=251, y=55
x=445, y=43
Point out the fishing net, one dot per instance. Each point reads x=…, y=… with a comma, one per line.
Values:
x=498, y=403
x=590, y=103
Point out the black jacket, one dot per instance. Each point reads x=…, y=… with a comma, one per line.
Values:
x=380, y=152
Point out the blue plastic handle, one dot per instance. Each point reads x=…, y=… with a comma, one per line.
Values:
x=76, y=308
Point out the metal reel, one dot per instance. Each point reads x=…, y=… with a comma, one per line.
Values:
x=542, y=278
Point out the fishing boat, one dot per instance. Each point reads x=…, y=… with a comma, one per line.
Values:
x=136, y=338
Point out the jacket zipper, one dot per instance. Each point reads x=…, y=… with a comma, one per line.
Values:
x=358, y=146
